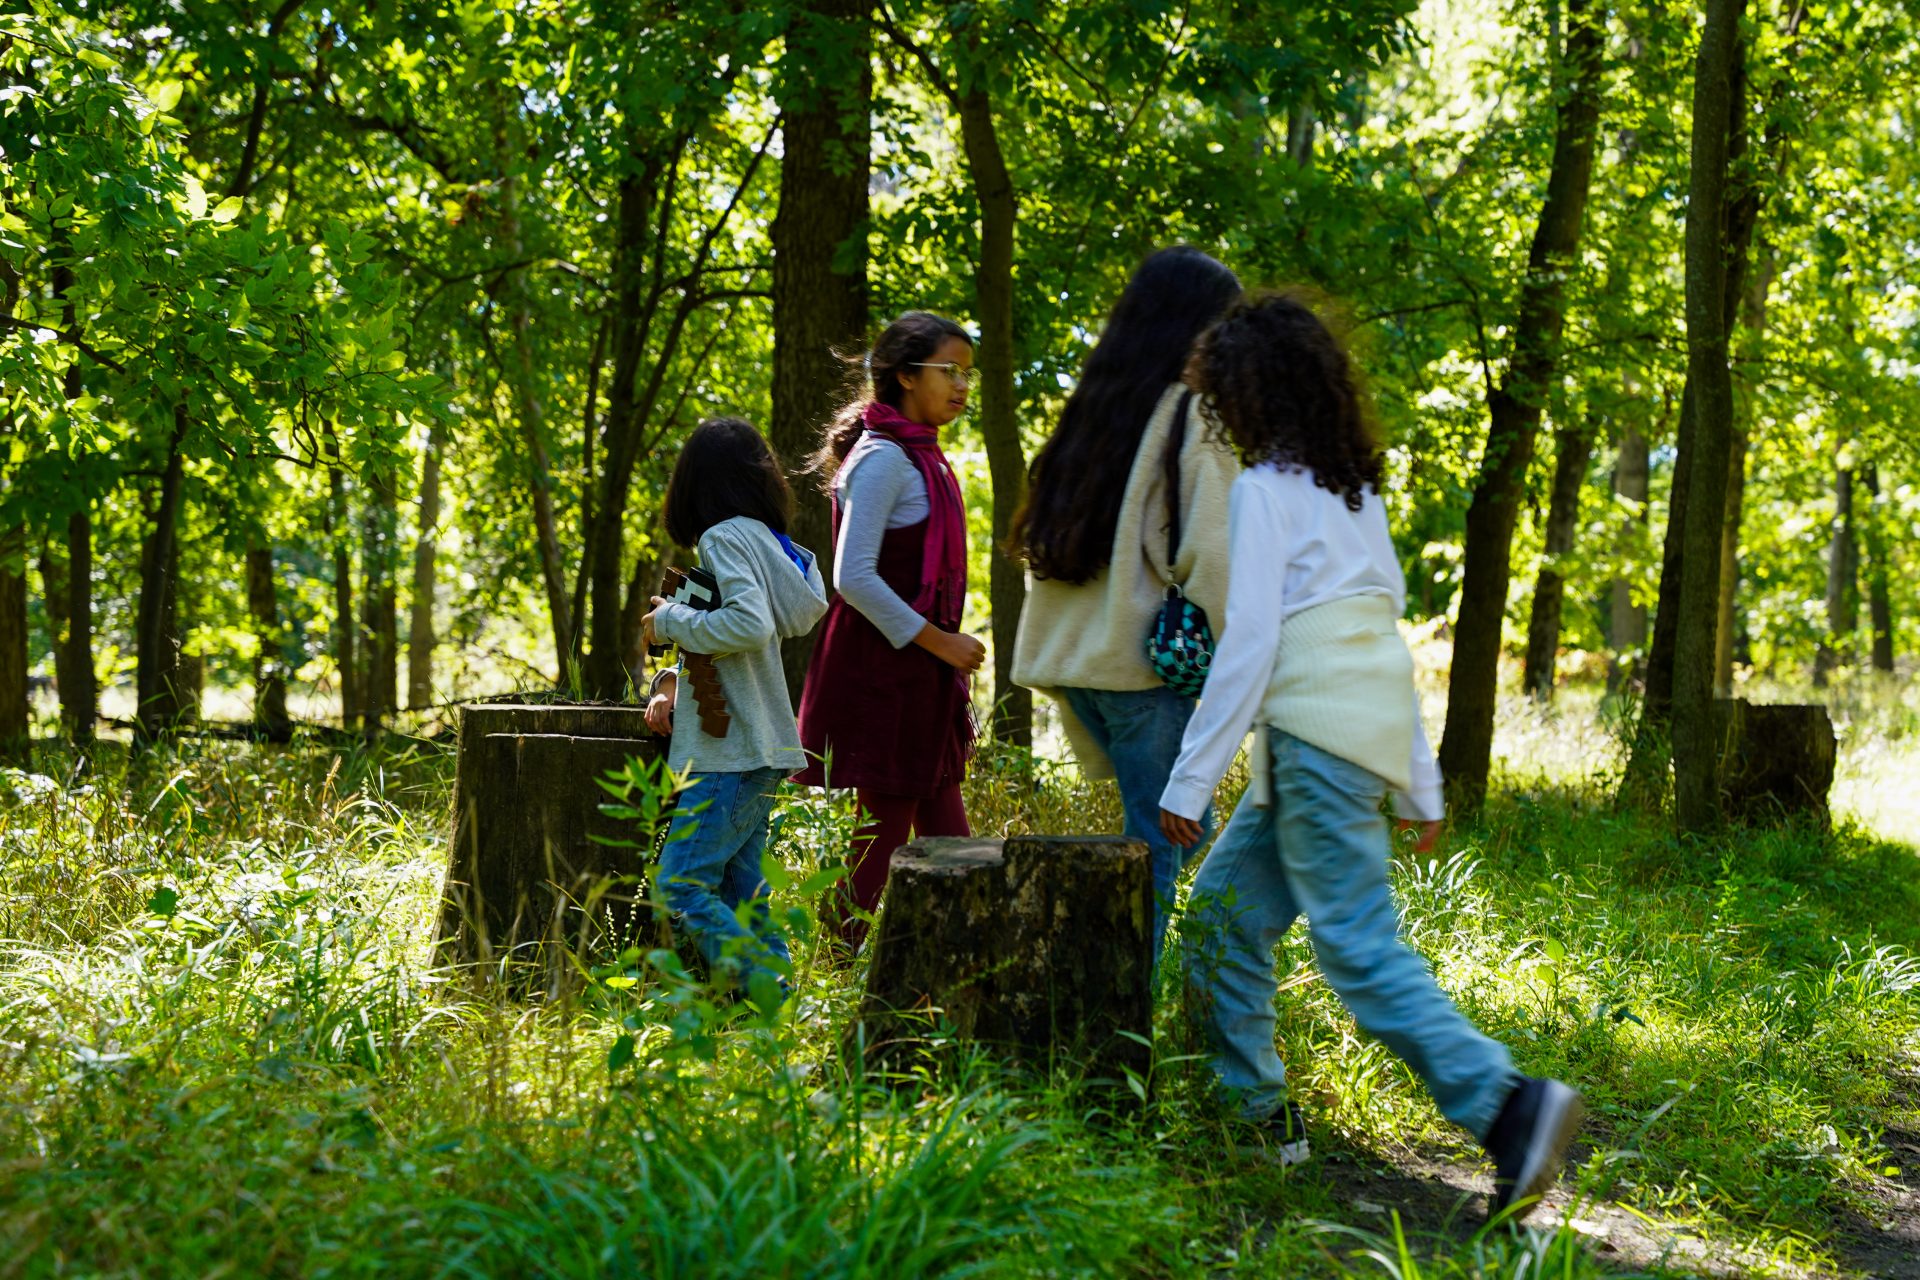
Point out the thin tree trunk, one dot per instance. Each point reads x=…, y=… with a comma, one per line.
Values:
x=15, y=730
x=345, y=626
x=420, y=638
x=819, y=254
x=56, y=596
x=1717, y=99
x=1573, y=449
x=379, y=605
x=1729, y=581
x=1879, y=572
x=999, y=425
x=1843, y=580
x=1629, y=630
x=1514, y=410
x=156, y=633
x=79, y=688
x=270, y=718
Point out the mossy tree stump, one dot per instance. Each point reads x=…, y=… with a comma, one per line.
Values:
x=527, y=866
x=1775, y=760
x=1042, y=945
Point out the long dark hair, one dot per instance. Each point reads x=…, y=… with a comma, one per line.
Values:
x=910, y=339
x=1285, y=390
x=1078, y=479
x=725, y=470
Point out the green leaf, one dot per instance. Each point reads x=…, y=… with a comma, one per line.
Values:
x=621, y=1053
x=164, y=902
x=97, y=60
x=229, y=209
x=167, y=96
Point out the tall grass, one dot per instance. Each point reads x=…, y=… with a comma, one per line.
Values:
x=224, y=1050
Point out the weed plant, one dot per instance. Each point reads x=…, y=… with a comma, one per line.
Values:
x=225, y=1050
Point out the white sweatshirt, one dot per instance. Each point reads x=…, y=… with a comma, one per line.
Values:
x=1293, y=547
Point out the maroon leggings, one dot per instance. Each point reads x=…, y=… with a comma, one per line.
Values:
x=891, y=822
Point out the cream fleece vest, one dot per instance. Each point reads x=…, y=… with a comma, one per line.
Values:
x=1343, y=682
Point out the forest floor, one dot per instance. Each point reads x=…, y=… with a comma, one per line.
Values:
x=223, y=1051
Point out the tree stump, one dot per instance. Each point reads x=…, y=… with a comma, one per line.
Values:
x=524, y=868
x=1775, y=760
x=1038, y=944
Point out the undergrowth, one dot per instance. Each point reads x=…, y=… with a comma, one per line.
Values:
x=224, y=1050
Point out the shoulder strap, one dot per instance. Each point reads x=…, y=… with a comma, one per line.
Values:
x=1176, y=441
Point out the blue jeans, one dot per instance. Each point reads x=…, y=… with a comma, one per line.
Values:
x=1140, y=731
x=710, y=868
x=1321, y=847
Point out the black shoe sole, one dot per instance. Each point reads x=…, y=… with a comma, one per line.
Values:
x=1543, y=1169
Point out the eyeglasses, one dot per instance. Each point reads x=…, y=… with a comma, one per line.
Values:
x=965, y=379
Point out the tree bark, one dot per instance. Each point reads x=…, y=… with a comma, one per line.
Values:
x=379, y=604
x=346, y=627
x=999, y=424
x=156, y=632
x=1573, y=449
x=420, y=638
x=1717, y=98
x=270, y=718
x=1879, y=572
x=1843, y=579
x=1727, y=586
x=819, y=255
x=1629, y=623
x=15, y=731
x=1514, y=416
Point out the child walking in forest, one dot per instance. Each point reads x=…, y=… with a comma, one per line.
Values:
x=1127, y=500
x=886, y=709
x=1312, y=652
x=728, y=497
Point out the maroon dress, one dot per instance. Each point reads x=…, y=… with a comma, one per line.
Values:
x=896, y=721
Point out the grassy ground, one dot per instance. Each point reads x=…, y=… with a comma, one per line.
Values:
x=222, y=1052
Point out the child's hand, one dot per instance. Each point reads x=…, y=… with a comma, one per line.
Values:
x=661, y=711
x=1181, y=832
x=962, y=651
x=1425, y=833
x=647, y=639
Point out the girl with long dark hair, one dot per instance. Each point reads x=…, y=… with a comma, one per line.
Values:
x=1094, y=533
x=1312, y=655
x=886, y=709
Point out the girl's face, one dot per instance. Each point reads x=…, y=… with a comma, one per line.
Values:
x=936, y=390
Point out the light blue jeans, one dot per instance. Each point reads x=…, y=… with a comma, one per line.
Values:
x=710, y=868
x=1140, y=731
x=1321, y=847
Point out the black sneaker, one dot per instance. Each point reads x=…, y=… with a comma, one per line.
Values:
x=1528, y=1142
x=1281, y=1137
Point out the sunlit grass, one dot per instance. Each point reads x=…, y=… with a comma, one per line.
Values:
x=222, y=1045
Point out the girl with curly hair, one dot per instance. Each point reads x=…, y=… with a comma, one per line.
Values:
x=1312, y=653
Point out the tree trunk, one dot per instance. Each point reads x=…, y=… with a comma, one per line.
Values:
x=1042, y=945
x=420, y=623
x=1514, y=410
x=57, y=596
x=1879, y=572
x=346, y=627
x=531, y=412
x=156, y=634
x=530, y=844
x=1729, y=581
x=999, y=424
x=1843, y=580
x=270, y=718
x=819, y=255
x=1774, y=760
x=15, y=729
x=1717, y=98
x=379, y=604
x=1628, y=632
x=1573, y=449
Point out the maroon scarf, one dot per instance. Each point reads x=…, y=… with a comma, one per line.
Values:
x=943, y=570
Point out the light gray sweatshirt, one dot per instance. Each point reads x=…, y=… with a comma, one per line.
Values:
x=764, y=599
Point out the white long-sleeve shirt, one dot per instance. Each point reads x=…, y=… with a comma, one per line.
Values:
x=1292, y=546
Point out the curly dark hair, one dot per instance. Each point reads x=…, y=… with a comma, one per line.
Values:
x=1282, y=386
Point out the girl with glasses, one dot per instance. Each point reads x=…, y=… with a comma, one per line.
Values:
x=886, y=709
